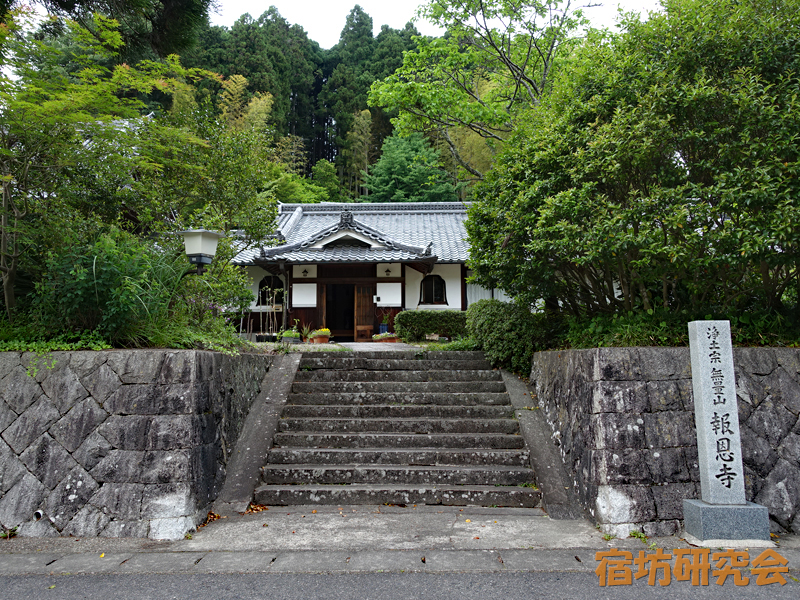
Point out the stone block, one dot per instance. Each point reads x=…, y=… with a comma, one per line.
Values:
x=170, y=529
x=624, y=466
x=30, y=424
x=152, y=400
x=667, y=465
x=101, y=383
x=662, y=528
x=758, y=361
x=209, y=430
x=780, y=493
x=63, y=387
x=771, y=421
x=657, y=363
x=8, y=362
x=69, y=497
x=753, y=483
x=92, y=451
x=749, y=389
x=784, y=389
x=41, y=528
x=670, y=429
x=624, y=504
x=168, y=501
x=669, y=499
x=615, y=431
x=757, y=452
x=788, y=359
x=7, y=416
x=725, y=521
x=48, y=461
x=89, y=522
x=789, y=449
x=127, y=432
x=663, y=395
x=131, y=466
x=11, y=469
x=693, y=463
x=126, y=529
x=136, y=366
x=206, y=365
x=617, y=364
x=619, y=396
x=19, y=390
x=121, y=501
x=21, y=501
x=84, y=362
x=178, y=367
x=173, y=432
x=80, y=422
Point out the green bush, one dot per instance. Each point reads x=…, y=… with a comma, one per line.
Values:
x=414, y=325
x=509, y=333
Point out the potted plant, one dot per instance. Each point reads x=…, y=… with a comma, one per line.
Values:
x=390, y=338
x=320, y=336
x=305, y=332
x=290, y=337
x=384, y=325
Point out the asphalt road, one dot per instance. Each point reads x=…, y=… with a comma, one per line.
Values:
x=376, y=586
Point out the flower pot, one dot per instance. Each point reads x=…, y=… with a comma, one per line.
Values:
x=388, y=340
x=320, y=339
x=383, y=328
x=291, y=340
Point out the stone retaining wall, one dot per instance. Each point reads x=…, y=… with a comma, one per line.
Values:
x=623, y=419
x=125, y=443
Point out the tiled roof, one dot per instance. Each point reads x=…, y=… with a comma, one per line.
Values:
x=406, y=231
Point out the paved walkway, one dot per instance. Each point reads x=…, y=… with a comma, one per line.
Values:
x=349, y=539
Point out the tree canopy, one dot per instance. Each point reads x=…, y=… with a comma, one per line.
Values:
x=661, y=173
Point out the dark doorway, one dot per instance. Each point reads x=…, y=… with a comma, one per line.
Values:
x=340, y=302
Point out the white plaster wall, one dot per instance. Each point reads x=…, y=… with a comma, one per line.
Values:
x=452, y=281
x=304, y=295
x=390, y=294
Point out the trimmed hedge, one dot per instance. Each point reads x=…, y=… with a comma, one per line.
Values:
x=414, y=325
x=509, y=334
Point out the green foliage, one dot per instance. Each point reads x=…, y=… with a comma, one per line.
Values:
x=119, y=287
x=408, y=171
x=414, y=325
x=464, y=344
x=663, y=328
x=509, y=334
x=661, y=175
x=496, y=59
x=324, y=176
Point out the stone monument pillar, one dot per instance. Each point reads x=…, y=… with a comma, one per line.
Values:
x=722, y=513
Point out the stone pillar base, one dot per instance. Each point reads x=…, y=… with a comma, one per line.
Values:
x=706, y=521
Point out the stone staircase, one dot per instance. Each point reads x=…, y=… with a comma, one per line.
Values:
x=398, y=427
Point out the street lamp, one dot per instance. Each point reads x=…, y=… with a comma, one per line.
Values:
x=201, y=246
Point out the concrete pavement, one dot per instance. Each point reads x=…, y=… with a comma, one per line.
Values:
x=350, y=540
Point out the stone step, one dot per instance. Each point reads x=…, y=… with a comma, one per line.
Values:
x=330, y=375
x=402, y=398
x=398, y=440
x=395, y=475
x=392, y=411
x=450, y=495
x=376, y=364
x=434, y=425
x=399, y=456
x=396, y=387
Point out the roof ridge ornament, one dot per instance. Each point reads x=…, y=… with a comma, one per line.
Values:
x=346, y=218
x=428, y=249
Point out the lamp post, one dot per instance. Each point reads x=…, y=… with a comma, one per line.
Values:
x=201, y=246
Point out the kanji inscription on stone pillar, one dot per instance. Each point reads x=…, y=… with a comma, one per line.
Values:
x=719, y=446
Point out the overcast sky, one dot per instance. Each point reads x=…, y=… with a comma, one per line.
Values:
x=323, y=20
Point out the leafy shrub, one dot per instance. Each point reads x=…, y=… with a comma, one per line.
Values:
x=414, y=325
x=509, y=333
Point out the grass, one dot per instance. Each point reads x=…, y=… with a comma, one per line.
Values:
x=296, y=348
